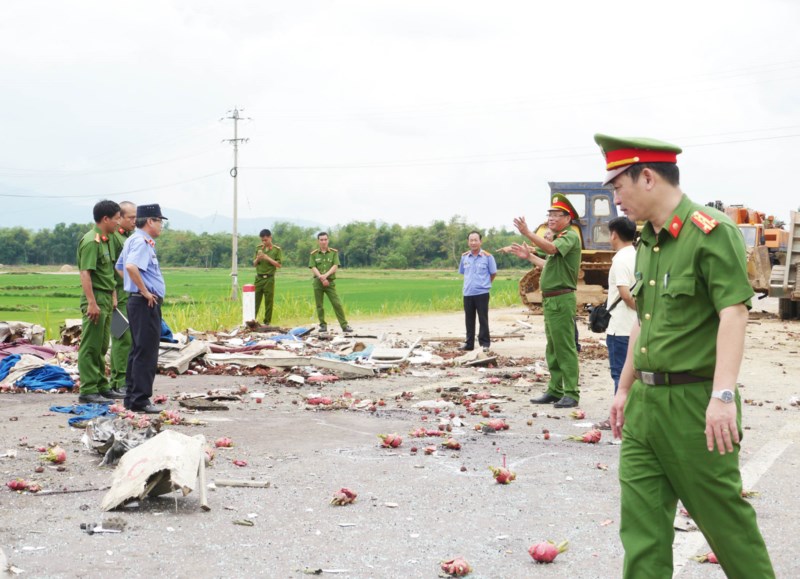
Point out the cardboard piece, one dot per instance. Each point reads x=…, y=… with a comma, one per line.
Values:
x=169, y=461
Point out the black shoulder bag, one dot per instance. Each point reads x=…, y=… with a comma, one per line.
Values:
x=599, y=316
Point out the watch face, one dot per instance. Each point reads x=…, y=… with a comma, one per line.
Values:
x=726, y=396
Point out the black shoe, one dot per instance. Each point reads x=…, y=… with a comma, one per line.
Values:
x=93, y=399
x=113, y=394
x=486, y=348
x=347, y=329
x=466, y=348
x=149, y=409
x=546, y=399
x=323, y=329
x=566, y=402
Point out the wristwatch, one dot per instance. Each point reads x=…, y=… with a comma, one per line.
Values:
x=725, y=395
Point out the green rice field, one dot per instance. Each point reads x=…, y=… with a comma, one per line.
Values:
x=200, y=298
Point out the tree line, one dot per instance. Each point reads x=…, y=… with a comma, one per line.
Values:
x=360, y=244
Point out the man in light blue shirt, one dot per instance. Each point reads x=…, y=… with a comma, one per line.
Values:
x=145, y=284
x=479, y=270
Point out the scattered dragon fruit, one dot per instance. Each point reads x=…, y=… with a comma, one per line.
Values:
x=18, y=485
x=546, y=552
x=223, y=442
x=589, y=437
x=390, y=440
x=502, y=475
x=56, y=455
x=452, y=444
x=343, y=496
x=117, y=409
x=317, y=400
x=578, y=414
x=429, y=449
x=457, y=567
x=709, y=557
x=240, y=462
x=171, y=417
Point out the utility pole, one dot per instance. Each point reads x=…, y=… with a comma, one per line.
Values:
x=234, y=115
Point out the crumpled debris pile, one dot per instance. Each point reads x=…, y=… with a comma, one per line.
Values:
x=26, y=366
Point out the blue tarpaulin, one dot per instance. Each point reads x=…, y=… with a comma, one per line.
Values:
x=7, y=363
x=166, y=333
x=46, y=377
x=292, y=336
x=85, y=412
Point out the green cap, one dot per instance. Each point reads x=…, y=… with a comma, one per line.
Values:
x=622, y=152
x=561, y=203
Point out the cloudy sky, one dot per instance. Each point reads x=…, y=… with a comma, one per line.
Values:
x=394, y=111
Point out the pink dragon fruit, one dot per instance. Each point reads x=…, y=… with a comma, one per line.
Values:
x=457, y=567
x=502, y=475
x=589, y=437
x=343, y=496
x=546, y=552
x=390, y=440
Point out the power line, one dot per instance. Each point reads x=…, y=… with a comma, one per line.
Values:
x=34, y=195
x=513, y=157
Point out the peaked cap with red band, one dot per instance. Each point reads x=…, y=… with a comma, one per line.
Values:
x=561, y=203
x=623, y=152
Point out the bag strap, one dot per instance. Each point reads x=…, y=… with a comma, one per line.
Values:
x=614, y=305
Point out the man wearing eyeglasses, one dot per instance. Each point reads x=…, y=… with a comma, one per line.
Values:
x=558, y=282
x=145, y=285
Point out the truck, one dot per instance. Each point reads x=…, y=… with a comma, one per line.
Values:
x=784, y=280
x=773, y=254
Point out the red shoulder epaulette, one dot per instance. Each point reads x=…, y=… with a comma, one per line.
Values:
x=706, y=223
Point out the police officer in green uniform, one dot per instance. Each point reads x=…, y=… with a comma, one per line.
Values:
x=677, y=409
x=324, y=262
x=121, y=347
x=558, y=283
x=98, y=282
x=268, y=259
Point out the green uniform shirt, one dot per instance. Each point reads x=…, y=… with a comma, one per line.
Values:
x=95, y=255
x=117, y=240
x=265, y=267
x=561, y=269
x=695, y=267
x=324, y=261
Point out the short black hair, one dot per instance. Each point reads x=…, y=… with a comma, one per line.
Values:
x=321, y=233
x=668, y=171
x=265, y=233
x=478, y=233
x=625, y=228
x=105, y=208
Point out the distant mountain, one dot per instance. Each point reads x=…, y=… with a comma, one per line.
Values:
x=33, y=214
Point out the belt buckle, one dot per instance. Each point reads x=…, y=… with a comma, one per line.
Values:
x=648, y=378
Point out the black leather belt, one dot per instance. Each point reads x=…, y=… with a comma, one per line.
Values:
x=555, y=293
x=664, y=379
x=159, y=299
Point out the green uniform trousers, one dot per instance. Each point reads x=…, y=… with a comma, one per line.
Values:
x=94, y=345
x=561, y=352
x=265, y=290
x=330, y=291
x=664, y=458
x=120, y=348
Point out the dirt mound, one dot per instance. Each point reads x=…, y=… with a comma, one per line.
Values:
x=66, y=267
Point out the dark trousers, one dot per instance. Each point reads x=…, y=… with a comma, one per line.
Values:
x=145, y=331
x=477, y=305
x=617, y=352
